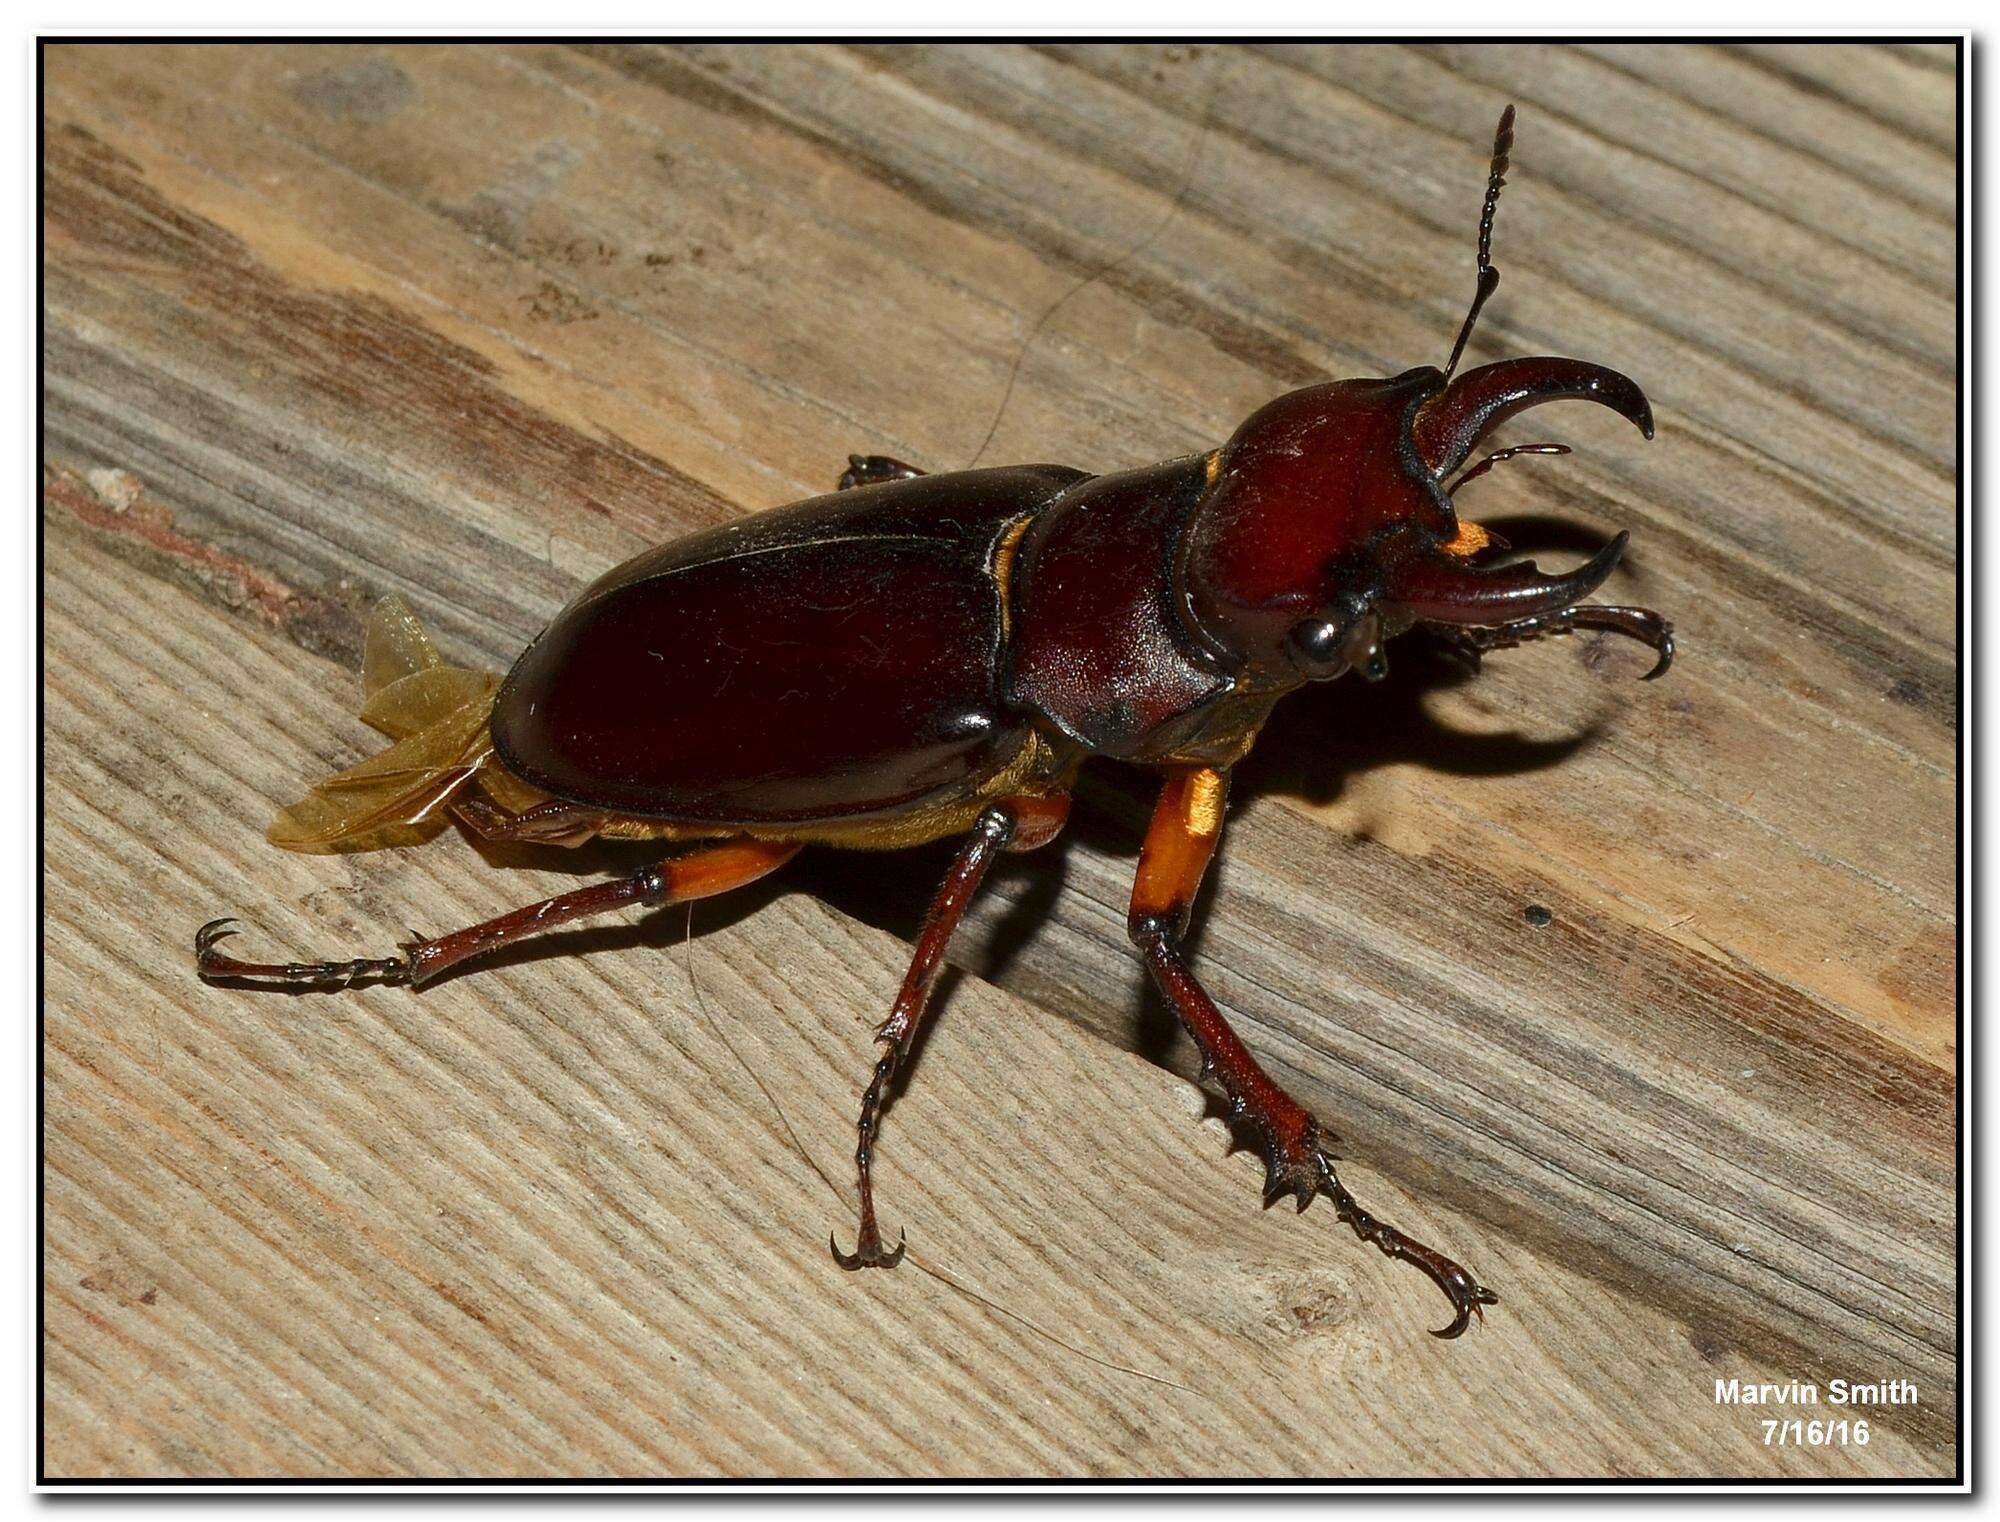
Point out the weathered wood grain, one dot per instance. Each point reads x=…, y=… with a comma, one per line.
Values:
x=474, y=323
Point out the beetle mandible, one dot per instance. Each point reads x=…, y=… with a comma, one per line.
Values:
x=921, y=656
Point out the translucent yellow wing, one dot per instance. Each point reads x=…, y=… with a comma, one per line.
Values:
x=438, y=715
x=509, y=792
x=412, y=704
x=394, y=646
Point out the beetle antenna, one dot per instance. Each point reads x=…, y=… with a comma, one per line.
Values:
x=1503, y=454
x=1489, y=277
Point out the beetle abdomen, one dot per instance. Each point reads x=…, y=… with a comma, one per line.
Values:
x=833, y=659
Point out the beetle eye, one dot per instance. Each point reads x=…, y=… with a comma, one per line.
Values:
x=1321, y=649
x=1317, y=648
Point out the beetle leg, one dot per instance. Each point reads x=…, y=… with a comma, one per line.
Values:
x=557, y=822
x=1642, y=624
x=1179, y=844
x=1452, y=638
x=210, y=963
x=697, y=875
x=867, y=469
x=1017, y=824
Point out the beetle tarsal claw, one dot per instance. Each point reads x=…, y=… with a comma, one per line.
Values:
x=1467, y=1295
x=1468, y=1299
x=209, y=934
x=868, y=1250
x=210, y=963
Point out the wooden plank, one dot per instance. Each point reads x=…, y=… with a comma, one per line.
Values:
x=475, y=323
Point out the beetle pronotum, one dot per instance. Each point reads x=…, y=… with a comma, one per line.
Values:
x=921, y=656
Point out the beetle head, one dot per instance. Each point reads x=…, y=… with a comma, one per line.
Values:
x=1327, y=525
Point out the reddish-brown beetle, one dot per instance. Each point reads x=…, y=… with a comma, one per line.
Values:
x=925, y=656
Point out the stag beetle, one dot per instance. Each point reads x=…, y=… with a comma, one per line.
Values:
x=919, y=656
